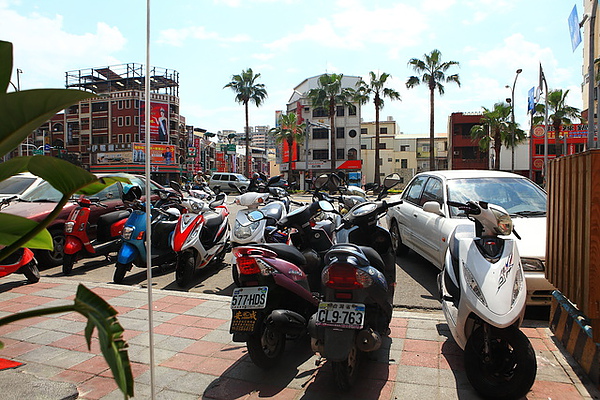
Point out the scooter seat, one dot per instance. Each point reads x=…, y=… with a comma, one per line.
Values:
x=213, y=219
x=373, y=257
x=106, y=221
x=285, y=251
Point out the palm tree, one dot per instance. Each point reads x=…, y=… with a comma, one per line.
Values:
x=376, y=88
x=496, y=127
x=290, y=131
x=247, y=90
x=432, y=71
x=328, y=95
x=560, y=113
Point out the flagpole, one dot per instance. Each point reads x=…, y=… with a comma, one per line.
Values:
x=591, y=81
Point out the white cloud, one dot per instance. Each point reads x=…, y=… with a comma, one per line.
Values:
x=177, y=37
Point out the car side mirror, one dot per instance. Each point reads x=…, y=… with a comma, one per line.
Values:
x=433, y=207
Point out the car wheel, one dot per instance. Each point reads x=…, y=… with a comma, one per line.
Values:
x=53, y=258
x=399, y=248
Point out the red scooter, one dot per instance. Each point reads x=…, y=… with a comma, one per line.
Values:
x=108, y=233
x=21, y=261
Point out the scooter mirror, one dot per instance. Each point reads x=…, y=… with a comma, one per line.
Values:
x=175, y=186
x=321, y=181
x=326, y=206
x=391, y=180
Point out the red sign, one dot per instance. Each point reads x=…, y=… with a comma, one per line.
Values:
x=159, y=121
x=351, y=164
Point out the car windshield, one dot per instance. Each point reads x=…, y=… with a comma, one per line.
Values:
x=518, y=196
x=44, y=192
x=16, y=184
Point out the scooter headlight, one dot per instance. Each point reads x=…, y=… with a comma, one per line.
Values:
x=472, y=283
x=127, y=232
x=69, y=227
x=244, y=232
x=517, y=286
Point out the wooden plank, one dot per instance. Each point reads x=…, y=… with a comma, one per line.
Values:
x=593, y=214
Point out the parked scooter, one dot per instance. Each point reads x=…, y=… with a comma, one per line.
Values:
x=201, y=237
x=358, y=281
x=164, y=215
x=22, y=260
x=78, y=244
x=483, y=293
x=275, y=299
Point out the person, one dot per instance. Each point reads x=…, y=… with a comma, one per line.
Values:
x=168, y=155
x=199, y=181
x=162, y=126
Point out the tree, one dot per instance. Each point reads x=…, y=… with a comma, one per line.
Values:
x=328, y=95
x=559, y=113
x=290, y=131
x=376, y=87
x=496, y=127
x=432, y=71
x=247, y=90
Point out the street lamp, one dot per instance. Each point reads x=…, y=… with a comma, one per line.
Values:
x=511, y=101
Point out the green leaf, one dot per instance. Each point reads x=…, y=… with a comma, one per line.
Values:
x=23, y=112
x=13, y=227
x=102, y=315
x=6, y=51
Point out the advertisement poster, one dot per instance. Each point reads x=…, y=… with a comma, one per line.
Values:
x=159, y=153
x=114, y=157
x=159, y=121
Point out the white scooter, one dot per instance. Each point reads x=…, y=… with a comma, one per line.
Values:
x=482, y=289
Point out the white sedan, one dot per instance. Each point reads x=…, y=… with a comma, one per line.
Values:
x=424, y=221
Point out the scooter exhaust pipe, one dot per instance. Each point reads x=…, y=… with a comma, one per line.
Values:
x=368, y=340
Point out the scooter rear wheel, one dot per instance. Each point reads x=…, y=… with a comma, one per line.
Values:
x=68, y=262
x=31, y=271
x=120, y=271
x=266, y=347
x=509, y=370
x=344, y=372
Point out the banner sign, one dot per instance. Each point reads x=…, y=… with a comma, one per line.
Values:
x=159, y=153
x=159, y=122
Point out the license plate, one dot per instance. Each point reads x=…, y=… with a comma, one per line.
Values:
x=249, y=298
x=341, y=315
x=243, y=321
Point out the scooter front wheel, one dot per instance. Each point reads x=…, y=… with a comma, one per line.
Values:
x=508, y=370
x=344, y=372
x=31, y=271
x=120, y=271
x=266, y=347
x=68, y=262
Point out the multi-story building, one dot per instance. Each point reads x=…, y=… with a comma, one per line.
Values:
x=107, y=133
x=463, y=151
x=314, y=155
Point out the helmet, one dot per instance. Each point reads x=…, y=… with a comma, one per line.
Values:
x=131, y=192
x=255, y=175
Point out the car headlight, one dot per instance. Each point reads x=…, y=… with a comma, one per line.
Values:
x=127, y=232
x=532, y=264
x=244, y=232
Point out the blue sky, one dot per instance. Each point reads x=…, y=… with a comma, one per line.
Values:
x=286, y=41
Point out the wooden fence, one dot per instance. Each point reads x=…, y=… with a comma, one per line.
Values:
x=573, y=239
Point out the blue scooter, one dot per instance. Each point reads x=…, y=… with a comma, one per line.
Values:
x=164, y=215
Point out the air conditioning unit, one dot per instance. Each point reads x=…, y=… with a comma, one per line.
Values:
x=456, y=152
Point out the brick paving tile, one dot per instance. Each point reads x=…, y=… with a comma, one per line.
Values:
x=96, y=387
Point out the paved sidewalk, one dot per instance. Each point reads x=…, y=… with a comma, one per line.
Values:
x=196, y=359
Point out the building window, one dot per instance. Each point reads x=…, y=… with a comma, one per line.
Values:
x=306, y=109
x=363, y=131
x=136, y=120
x=120, y=104
x=99, y=123
x=339, y=132
x=320, y=133
x=339, y=154
x=120, y=121
x=100, y=106
x=404, y=163
x=320, y=154
x=319, y=112
x=120, y=138
x=136, y=104
x=128, y=104
x=389, y=160
x=382, y=146
x=352, y=154
x=352, y=133
x=363, y=146
x=339, y=111
x=351, y=109
x=127, y=138
x=127, y=120
x=404, y=148
x=383, y=131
